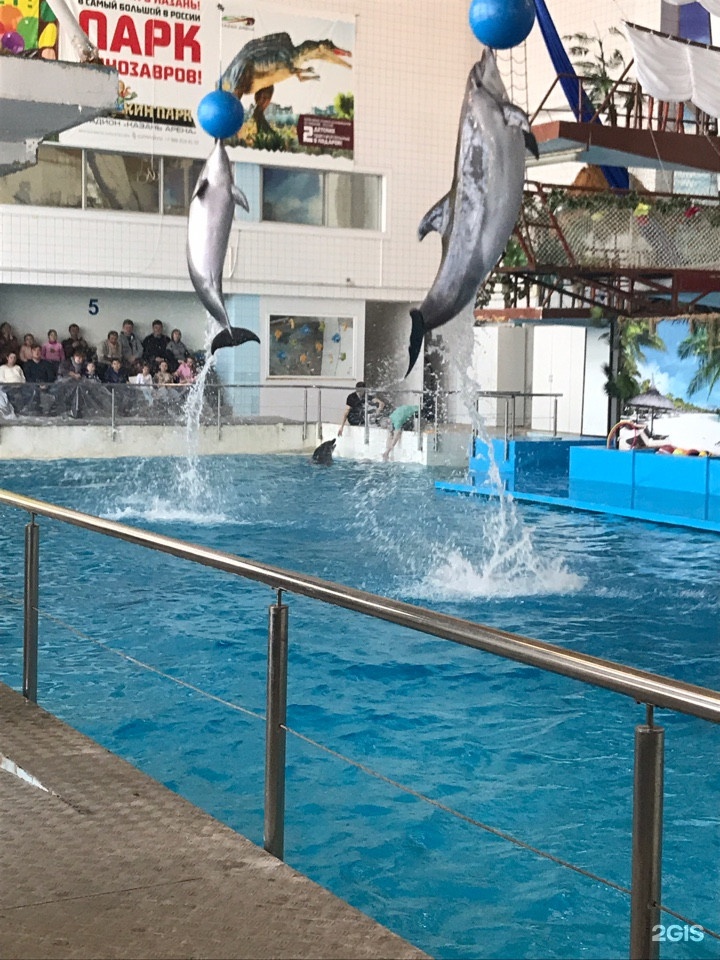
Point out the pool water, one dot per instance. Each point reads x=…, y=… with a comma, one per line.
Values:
x=539, y=757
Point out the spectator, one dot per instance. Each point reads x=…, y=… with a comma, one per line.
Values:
x=155, y=344
x=52, y=351
x=8, y=342
x=76, y=342
x=355, y=407
x=11, y=371
x=144, y=378
x=163, y=377
x=110, y=349
x=115, y=372
x=185, y=372
x=26, y=348
x=176, y=348
x=74, y=368
x=91, y=371
x=130, y=345
x=38, y=370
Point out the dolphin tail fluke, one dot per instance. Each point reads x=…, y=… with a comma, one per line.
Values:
x=417, y=335
x=233, y=338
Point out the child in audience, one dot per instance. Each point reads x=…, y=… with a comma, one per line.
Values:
x=163, y=378
x=185, y=372
x=26, y=348
x=52, y=350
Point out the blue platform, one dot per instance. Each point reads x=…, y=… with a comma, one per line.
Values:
x=584, y=475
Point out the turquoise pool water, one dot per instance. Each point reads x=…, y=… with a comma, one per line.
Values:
x=542, y=758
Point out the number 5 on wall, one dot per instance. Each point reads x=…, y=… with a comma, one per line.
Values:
x=93, y=307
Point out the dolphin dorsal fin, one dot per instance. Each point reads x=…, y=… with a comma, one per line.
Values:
x=240, y=199
x=436, y=218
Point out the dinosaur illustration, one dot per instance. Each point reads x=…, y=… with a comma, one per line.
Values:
x=265, y=61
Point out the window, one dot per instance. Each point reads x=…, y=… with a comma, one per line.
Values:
x=311, y=346
x=55, y=181
x=179, y=178
x=117, y=181
x=322, y=199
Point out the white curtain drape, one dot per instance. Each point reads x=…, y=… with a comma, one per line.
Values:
x=672, y=70
x=712, y=6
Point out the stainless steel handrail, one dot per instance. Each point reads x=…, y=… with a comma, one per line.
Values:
x=642, y=686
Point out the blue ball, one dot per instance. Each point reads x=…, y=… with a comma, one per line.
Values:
x=502, y=24
x=220, y=114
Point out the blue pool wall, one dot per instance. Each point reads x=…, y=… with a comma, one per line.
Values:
x=585, y=475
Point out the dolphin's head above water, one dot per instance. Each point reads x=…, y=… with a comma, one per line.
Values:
x=484, y=75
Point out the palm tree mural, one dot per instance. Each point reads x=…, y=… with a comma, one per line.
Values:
x=635, y=336
x=703, y=343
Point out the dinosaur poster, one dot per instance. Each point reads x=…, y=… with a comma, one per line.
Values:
x=294, y=76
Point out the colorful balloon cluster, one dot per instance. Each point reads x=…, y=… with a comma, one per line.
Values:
x=502, y=24
x=27, y=25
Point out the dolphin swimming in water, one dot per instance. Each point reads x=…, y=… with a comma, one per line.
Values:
x=210, y=219
x=324, y=453
x=478, y=215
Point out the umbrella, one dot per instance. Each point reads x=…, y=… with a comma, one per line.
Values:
x=653, y=401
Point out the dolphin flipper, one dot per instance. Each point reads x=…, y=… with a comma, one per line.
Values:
x=417, y=335
x=531, y=144
x=233, y=338
x=436, y=218
x=240, y=199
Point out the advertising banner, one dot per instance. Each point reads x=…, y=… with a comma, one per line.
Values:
x=292, y=73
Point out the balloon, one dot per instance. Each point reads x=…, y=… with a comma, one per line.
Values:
x=501, y=24
x=12, y=42
x=220, y=114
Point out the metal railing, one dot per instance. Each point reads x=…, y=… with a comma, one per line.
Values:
x=649, y=689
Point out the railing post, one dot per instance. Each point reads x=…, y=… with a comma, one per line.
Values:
x=112, y=413
x=219, y=411
x=435, y=431
x=506, y=446
x=367, y=419
x=276, y=716
x=305, y=414
x=419, y=425
x=647, y=840
x=30, y=633
x=555, y=409
x=319, y=415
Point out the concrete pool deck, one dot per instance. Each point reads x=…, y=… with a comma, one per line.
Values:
x=100, y=861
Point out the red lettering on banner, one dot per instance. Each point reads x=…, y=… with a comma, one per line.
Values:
x=183, y=40
x=99, y=34
x=126, y=36
x=157, y=34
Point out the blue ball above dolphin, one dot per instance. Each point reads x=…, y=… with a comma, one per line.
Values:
x=502, y=24
x=220, y=114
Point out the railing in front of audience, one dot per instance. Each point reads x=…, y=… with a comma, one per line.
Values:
x=223, y=404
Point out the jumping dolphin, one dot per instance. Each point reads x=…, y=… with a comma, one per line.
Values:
x=478, y=215
x=324, y=453
x=210, y=219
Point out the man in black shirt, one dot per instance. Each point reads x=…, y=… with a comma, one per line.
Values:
x=155, y=344
x=355, y=407
x=37, y=370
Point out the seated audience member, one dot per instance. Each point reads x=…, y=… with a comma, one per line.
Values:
x=52, y=351
x=185, y=372
x=163, y=377
x=115, y=372
x=91, y=371
x=176, y=348
x=38, y=370
x=155, y=344
x=11, y=371
x=74, y=368
x=130, y=345
x=8, y=342
x=144, y=378
x=26, y=348
x=110, y=349
x=76, y=342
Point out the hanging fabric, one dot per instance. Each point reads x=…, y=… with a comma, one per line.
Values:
x=675, y=70
x=578, y=100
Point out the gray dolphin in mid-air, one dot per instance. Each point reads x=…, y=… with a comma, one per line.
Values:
x=210, y=219
x=478, y=215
